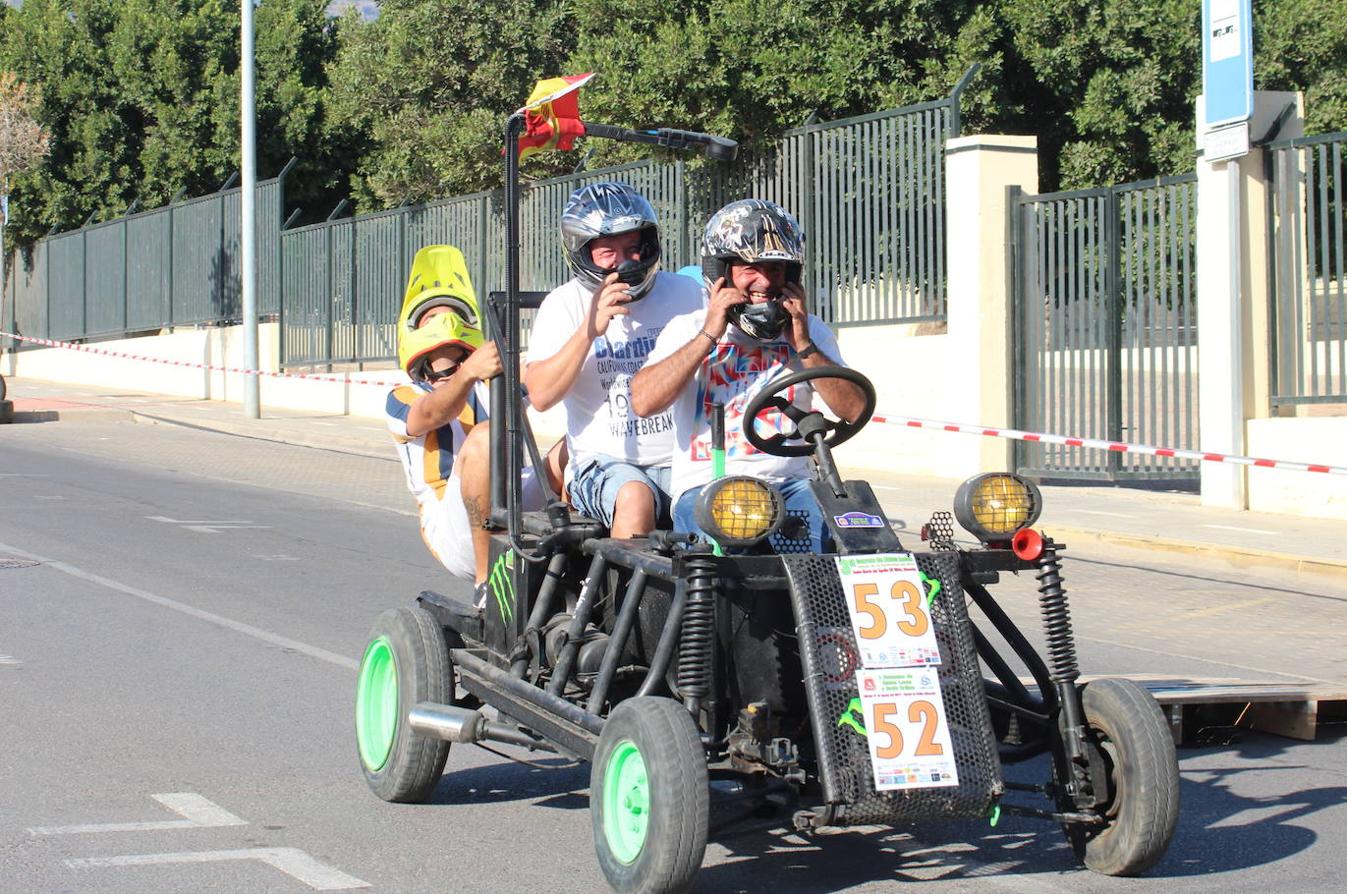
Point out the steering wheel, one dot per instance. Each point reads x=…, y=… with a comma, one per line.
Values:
x=807, y=422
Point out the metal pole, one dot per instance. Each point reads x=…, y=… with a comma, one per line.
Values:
x=248, y=236
x=1232, y=168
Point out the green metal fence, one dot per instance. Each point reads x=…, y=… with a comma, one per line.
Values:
x=869, y=191
x=1106, y=325
x=1309, y=289
x=170, y=266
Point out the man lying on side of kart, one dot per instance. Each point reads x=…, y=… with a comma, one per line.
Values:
x=754, y=329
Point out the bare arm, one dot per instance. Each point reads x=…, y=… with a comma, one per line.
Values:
x=550, y=380
x=658, y=384
x=844, y=398
x=446, y=400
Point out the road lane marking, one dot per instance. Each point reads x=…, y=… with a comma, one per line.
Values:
x=205, y=527
x=1241, y=530
x=197, y=813
x=266, y=636
x=1229, y=606
x=292, y=861
x=9, y=661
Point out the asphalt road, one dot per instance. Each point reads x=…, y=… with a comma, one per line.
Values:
x=180, y=618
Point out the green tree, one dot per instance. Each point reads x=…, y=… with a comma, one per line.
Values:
x=142, y=99
x=428, y=84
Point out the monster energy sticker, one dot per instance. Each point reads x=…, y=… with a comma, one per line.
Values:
x=501, y=580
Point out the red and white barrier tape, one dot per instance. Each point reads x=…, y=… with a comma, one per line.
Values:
x=1111, y=446
x=91, y=349
x=962, y=428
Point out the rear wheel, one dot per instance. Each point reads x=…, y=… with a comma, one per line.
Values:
x=1130, y=735
x=648, y=797
x=405, y=662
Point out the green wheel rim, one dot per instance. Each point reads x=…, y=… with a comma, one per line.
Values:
x=626, y=802
x=376, y=704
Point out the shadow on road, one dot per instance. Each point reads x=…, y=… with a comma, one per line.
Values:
x=1220, y=830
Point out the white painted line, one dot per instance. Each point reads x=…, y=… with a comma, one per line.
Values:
x=205, y=527
x=199, y=813
x=292, y=861
x=1100, y=512
x=9, y=661
x=1241, y=530
x=277, y=558
x=266, y=636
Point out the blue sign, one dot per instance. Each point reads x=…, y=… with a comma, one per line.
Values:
x=1227, y=61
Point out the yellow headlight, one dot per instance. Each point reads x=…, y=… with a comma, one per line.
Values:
x=995, y=506
x=739, y=511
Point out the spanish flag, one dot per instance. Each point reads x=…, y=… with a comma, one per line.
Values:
x=552, y=115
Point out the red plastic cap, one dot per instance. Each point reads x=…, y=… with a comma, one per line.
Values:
x=1027, y=544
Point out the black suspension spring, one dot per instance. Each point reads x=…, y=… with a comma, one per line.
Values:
x=1052, y=604
x=697, y=637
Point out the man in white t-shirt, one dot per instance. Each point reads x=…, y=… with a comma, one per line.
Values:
x=590, y=337
x=753, y=330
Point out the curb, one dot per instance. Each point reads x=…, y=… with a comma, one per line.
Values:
x=67, y=414
x=1247, y=557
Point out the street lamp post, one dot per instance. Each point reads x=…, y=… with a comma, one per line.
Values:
x=248, y=236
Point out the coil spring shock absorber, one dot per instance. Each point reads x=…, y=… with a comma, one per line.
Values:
x=1056, y=613
x=1063, y=672
x=698, y=634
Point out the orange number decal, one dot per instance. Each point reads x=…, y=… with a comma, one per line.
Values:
x=914, y=621
x=884, y=724
x=924, y=712
x=863, y=592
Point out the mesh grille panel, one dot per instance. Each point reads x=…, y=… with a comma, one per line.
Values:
x=828, y=651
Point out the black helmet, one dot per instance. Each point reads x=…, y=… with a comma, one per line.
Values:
x=749, y=231
x=606, y=209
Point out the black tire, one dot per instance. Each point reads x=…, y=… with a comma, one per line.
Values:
x=1131, y=736
x=677, y=805
x=422, y=672
x=3, y=387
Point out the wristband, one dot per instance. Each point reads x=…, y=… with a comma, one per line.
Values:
x=710, y=338
x=809, y=351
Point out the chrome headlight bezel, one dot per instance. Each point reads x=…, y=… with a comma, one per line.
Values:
x=722, y=489
x=973, y=497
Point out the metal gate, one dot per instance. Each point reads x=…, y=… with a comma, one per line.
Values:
x=1106, y=327
x=1309, y=307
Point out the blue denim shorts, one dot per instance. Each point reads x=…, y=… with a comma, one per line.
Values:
x=596, y=482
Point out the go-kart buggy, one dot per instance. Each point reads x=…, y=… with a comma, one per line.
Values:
x=840, y=689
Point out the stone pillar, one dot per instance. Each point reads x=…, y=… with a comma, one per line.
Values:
x=1233, y=326
x=979, y=379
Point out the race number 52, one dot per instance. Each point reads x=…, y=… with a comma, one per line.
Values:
x=906, y=728
x=886, y=599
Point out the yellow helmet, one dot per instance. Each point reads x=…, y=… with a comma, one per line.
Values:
x=439, y=278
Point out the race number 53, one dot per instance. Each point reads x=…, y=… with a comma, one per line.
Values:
x=886, y=599
x=911, y=614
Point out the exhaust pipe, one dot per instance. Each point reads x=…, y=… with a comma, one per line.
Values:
x=454, y=724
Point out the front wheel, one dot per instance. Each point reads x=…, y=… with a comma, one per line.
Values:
x=649, y=799
x=1130, y=735
x=405, y=662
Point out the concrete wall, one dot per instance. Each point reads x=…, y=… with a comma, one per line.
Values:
x=1307, y=440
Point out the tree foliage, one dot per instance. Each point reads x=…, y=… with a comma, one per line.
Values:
x=23, y=142
x=142, y=100
x=141, y=96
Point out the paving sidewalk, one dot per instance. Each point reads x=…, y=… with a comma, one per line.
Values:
x=1170, y=521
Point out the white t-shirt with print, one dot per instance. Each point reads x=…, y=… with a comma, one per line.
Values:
x=732, y=374
x=599, y=419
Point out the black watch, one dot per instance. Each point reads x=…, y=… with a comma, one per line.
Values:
x=809, y=351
